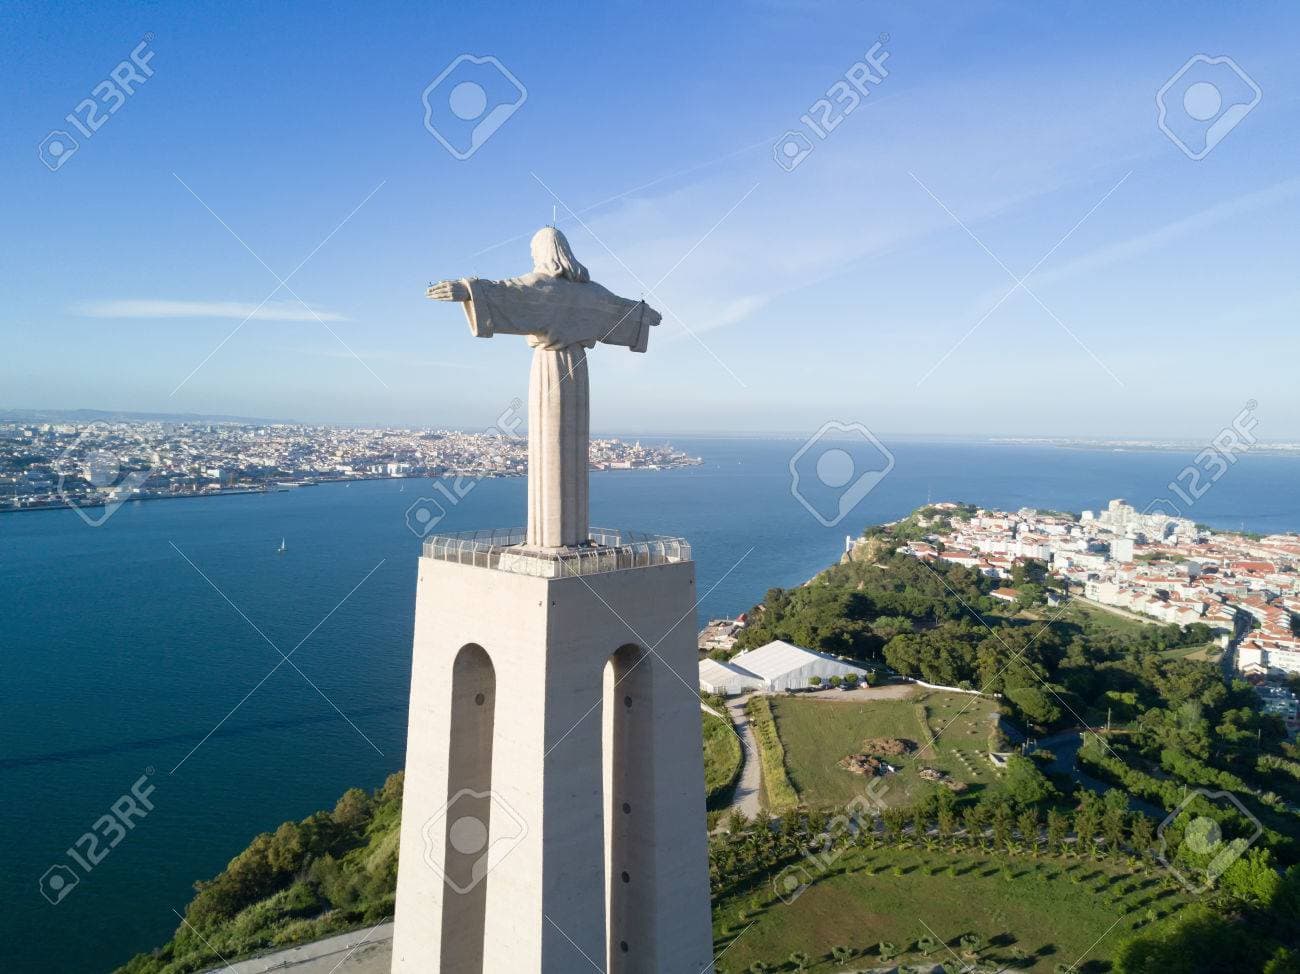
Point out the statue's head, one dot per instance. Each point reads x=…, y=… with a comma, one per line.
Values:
x=552, y=256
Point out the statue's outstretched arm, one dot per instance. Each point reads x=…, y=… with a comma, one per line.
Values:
x=448, y=291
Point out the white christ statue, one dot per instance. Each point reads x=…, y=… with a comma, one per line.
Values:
x=563, y=313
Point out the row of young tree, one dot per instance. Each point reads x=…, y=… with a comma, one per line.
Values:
x=1251, y=898
x=1009, y=821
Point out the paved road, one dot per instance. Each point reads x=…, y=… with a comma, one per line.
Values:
x=360, y=952
x=749, y=788
x=1065, y=749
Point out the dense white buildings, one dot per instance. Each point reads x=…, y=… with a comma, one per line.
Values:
x=1151, y=564
x=56, y=464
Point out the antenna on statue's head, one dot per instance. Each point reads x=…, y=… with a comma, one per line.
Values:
x=552, y=214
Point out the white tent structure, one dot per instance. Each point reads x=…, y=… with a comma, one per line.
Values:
x=727, y=679
x=777, y=666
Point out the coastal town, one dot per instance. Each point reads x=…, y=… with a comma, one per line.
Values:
x=67, y=464
x=1148, y=567
x=1163, y=568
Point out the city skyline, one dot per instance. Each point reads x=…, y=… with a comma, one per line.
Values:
x=151, y=268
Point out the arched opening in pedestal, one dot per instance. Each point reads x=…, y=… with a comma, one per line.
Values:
x=627, y=745
x=467, y=816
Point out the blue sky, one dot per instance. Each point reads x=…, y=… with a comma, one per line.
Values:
x=869, y=284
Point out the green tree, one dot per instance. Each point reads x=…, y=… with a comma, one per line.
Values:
x=1027, y=825
x=1087, y=819
x=1114, y=816
x=1140, y=832
x=1057, y=828
x=353, y=809
x=946, y=813
x=286, y=850
x=1198, y=940
x=1284, y=961
x=1035, y=705
x=1252, y=878
x=1023, y=784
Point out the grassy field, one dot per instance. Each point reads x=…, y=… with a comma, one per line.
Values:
x=721, y=759
x=1206, y=653
x=900, y=895
x=817, y=733
x=1082, y=613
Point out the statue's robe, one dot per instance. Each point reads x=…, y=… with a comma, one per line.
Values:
x=562, y=319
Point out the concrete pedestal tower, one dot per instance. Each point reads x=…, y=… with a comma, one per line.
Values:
x=553, y=813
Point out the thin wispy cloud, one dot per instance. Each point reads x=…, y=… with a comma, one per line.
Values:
x=230, y=310
x=809, y=229
x=1128, y=250
x=1154, y=240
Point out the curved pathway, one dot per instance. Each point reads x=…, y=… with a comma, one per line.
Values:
x=746, y=799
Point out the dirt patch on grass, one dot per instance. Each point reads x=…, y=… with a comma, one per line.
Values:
x=889, y=746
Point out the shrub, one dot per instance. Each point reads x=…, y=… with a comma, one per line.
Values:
x=781, y=795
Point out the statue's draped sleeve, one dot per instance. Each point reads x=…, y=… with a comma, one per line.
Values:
x=557, y=313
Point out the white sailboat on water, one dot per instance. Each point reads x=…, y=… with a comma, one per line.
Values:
x=282, y=549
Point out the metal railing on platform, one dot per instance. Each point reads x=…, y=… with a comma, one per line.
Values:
x=606, y=551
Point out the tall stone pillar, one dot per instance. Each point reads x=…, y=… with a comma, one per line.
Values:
x=554, y=798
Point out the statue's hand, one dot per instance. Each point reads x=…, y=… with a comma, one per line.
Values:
x=448, y=291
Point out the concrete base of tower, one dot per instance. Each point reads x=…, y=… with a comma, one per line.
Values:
x=554, y=798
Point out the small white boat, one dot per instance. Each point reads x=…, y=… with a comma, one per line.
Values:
x=282, y=549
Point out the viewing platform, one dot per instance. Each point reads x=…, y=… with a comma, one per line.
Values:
x=606, y=551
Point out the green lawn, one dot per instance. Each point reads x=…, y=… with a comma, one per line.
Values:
x=817, y=733
x=1207, y=652
x=721, y=759
x=1082, y=613
x=1040, y=912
